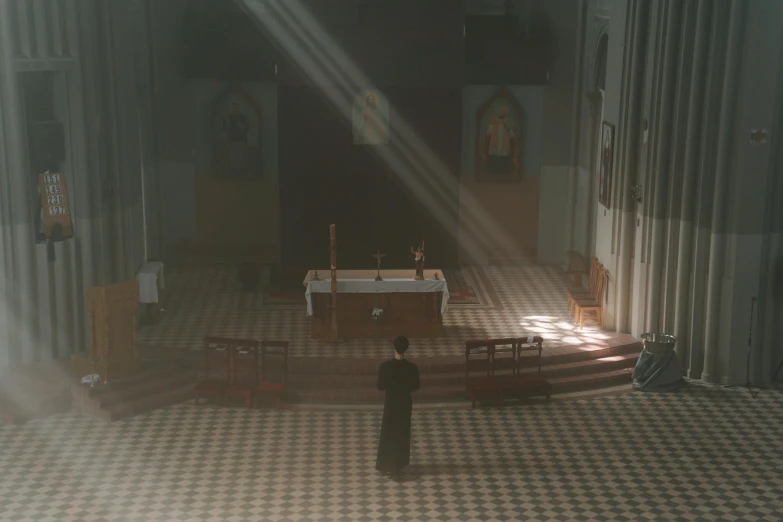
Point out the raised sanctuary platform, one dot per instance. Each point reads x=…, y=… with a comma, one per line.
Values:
x=366, y=308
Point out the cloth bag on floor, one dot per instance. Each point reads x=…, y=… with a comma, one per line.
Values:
x=657, y=372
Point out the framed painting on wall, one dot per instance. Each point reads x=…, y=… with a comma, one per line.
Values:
x=236, y=135
x=499, y=128
x=607, y=160
x=370, y=118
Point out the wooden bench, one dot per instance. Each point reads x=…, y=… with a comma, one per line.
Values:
x=244, y=370
x=479, y=355
x=239, y=368
x=528, y=355
x=217, y=369
x=499, y=361
x=273, y=389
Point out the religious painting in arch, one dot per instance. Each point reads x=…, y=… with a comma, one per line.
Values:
x=607, y=160
x=236, y=135
x=370, y=118
x=499, y=139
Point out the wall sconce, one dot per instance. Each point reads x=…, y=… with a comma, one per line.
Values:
x=636, y=193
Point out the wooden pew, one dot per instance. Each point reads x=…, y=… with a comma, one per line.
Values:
x=528, y=355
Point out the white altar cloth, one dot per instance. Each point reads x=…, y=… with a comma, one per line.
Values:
x=369, y=286
x=150, y=278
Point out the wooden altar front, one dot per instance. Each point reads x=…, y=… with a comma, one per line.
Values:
x=410, y=308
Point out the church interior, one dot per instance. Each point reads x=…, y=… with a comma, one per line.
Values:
x=216, y=216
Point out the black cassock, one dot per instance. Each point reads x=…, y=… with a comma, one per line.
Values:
x=398, y=378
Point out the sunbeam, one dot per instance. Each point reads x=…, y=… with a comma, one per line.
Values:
x=314, y=52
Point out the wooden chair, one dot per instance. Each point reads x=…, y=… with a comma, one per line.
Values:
x=528, y=355
x=591, y=309
x=486, y=384
x=244, y=370
x=576, y=266
x=579, y=292
x=217, y=369
x=275, y=389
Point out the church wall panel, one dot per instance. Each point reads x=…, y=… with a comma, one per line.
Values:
x=513, y=208
x=369, y=189
x=232, y=215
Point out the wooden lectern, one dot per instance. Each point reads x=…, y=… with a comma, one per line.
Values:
x=113, y=352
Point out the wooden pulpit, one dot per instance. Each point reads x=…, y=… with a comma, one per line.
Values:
x=113, y=351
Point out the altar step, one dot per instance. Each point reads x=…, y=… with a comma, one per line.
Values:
x=593, y=382
x=35, y=390
x=155, y=387
x=354, y=381
x=436, y=378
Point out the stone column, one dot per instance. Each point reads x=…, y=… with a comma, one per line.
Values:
x=682, y=301
x=630, y=123
x=720, y=200
x=662, y=126
x=21, y=281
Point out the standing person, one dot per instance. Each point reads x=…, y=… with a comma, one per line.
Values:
x=398, y=378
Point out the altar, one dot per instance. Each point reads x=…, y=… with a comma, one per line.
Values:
x=397, y=305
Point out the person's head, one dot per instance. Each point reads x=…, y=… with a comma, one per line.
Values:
x=400, y=345
x=371, y=101
x=233, y=107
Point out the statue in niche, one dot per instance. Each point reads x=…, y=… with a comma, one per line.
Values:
x=499, y=140
x=236, y=135
x=370, y=119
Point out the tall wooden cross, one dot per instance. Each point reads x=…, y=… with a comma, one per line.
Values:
x=378, y=256
x=333, y=262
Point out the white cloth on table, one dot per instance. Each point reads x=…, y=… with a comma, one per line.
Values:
x=387, y=286
x=150, y=278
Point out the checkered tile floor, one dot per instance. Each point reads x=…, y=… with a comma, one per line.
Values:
x=699, y=454
x=203, y=301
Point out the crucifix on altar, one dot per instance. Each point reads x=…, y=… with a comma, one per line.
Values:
x=378, y=256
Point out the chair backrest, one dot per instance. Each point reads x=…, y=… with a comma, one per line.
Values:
x=244, y=361
x=529, y=350
x=504, y=355
x=478, y=357
x=274, y=349
x=217, y=357
x=600, y=285
x=489, y=355
x=595, y=268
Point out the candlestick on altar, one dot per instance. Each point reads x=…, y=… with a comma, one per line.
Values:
x=378, y=256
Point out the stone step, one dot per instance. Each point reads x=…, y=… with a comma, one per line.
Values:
x=143, y=388
x=144, y=404
x=457, y=392
x=450, y=364
x=149, y=373
x=555, y=371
